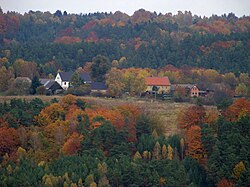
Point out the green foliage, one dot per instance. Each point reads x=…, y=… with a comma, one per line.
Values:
x=230, y=148
x=20, y=112
x=34, y=85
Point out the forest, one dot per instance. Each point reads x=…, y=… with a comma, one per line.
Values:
x=76, y=142
x=147, y=40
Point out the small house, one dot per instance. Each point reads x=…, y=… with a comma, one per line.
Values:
x=98, y=87
x=161, y=85
x=51, y=86
x=64, y=78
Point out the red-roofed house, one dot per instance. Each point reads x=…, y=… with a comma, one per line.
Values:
x=161, y=83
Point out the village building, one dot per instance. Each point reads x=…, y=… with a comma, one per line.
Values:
x=98, y=87
x=161, y=85
x=190, y=89
x=64, y=78
x=51, y=86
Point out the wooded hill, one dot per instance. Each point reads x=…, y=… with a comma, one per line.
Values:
x=145, y=39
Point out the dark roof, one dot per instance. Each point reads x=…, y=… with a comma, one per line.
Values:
x=44, y=81
x=66, y=76
x=98, y=86
x=52, y=85
x=85, y=77
x=49, y=84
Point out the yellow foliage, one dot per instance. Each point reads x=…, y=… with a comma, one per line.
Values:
x=238, y=169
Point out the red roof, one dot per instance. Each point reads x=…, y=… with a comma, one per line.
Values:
x=157, y=81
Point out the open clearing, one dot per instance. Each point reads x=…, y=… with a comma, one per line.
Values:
x=167, y=111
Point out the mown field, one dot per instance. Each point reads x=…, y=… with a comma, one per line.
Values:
x=165, y=112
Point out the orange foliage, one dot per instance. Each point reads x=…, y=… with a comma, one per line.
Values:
x=241, y=107
x=87, y=67
x=73, y=113
x=131, y=113
x=68, y=40
x=106, y=21
x=67, y=101
x=56, y=131
x=9, y=140
x=66, y=32
x=225, y=183
x=89, y=25
x=114, y=116
x=193, y=115
x=220, y=27
x=225, y=44
x=194, y=144
x=92, y=37
x=211, y=116
x=73, y=144
x=141, y=16
x=49, y=114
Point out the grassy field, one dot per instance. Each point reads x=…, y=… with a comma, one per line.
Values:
x=165, y=110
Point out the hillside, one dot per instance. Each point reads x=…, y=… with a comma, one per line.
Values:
x=145, y=39
x=73, y=141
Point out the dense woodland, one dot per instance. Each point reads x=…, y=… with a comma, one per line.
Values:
x=76, y=142
x=145, y=39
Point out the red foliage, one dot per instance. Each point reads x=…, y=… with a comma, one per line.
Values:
x=194, y=115
x=89, y=25
x=68, y=40
x=66, y=32
x=73, y=144
x=92, y=37
x=225, y=183
x=170, y=67
x=9, y=140
x=225, y=44
x=114, y=116
x=241, y=107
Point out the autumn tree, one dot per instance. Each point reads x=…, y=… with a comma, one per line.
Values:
x=240, y=108
x=194, y=115
x=73, y=144
x=115, y=82
x=225, y=183
x=5, y=78
x=50, y=114
x=9, y=140
x=194, y=144
x=241, y=90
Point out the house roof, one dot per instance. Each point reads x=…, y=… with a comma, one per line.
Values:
x=50, y=84
x=66, y=76
x=157, y=81
x=98, y=86
x=86, y=77
x=45, y=81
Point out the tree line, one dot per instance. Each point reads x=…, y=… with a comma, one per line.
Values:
x=72, y=142
x=145, y=39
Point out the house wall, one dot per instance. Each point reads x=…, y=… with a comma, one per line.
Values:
x=63, y=84
x=162, y=89
x=194, y=92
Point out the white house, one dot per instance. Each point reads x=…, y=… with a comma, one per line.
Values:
x=63, y=79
